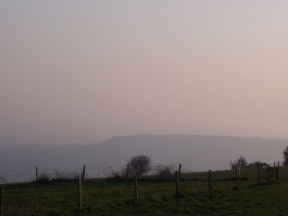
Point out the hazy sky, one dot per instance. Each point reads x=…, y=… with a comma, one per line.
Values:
x=83, y=71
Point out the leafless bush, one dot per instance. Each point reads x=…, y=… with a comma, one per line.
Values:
x=116, y=175
x=164, y=172
x=119, y=174
x=44, y=176
x=58, y=175
x=65, y=175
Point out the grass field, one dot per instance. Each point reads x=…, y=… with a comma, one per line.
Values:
x=116, y=196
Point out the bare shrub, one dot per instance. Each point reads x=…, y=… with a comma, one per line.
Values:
x=123, y=172
x=115, y=175
x=58, y=175
x=119, y=174
x=65, y=175
x=164, y=172
x=44, y=176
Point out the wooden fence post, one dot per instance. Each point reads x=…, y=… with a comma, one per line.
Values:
x=36, y=173
x=177, y=183
x=277, y=173
x=1, y=201
x=237, y=176
x=259, y=175
x=83, y=173
x=127, y=170
x=80, y=200
x=210, y=181
x=136, y=188
x=180, y=165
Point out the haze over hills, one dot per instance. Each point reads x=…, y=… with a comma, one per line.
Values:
x=195, y=152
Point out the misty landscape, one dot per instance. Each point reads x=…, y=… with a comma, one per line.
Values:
x=194, y=152
x=126, y=107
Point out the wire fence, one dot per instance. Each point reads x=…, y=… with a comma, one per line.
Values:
x=189, y=171
x=102, y=184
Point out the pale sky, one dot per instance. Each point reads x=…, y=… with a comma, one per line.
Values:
x=84, y=71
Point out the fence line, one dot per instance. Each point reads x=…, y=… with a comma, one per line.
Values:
x=139, y=184
x=93, y=172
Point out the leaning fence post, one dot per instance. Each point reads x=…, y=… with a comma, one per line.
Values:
x=210, y=181
x=80, y=200
x=177, y=183
x=83, y=173
x=1, y=201
x=136, y=188
x=259, y=175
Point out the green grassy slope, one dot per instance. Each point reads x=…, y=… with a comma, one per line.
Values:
x=116, y=197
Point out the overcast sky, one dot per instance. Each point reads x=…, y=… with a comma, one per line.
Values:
x=84, y=71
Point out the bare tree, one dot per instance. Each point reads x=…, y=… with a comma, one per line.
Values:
x=241, y=163
x=139, y=165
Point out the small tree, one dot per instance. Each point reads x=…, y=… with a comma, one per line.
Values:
x=285, y=154
x=139, y=165
x=241, y=163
